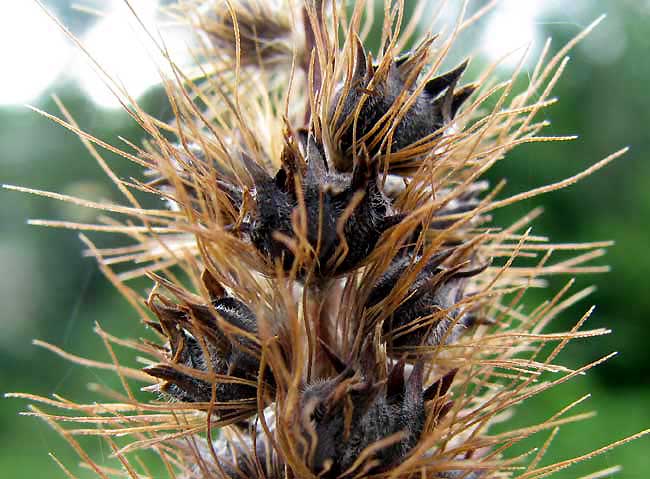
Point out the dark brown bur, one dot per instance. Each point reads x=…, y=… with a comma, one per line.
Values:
x=354, y=424
x=344, y=214
x=263, y=30
x=363, y=112
x=208, y=339
x=431, y=314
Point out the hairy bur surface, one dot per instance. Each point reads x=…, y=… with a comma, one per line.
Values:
x=215, y=350
x=375, y=92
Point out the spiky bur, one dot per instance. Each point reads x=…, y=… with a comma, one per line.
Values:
x=368, y=110
x=218, y=337
x=330, y=297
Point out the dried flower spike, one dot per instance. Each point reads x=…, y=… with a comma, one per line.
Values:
x=330, y=298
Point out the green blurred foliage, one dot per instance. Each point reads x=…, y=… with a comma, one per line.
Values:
x=608, y=106
x=50, y=291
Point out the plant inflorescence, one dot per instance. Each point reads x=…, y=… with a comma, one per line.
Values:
x=330, y=297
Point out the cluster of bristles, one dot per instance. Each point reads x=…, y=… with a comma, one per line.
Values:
x=315, y=220
x=343, y=320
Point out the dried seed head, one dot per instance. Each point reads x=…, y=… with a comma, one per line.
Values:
x=352, y=423
x=344, y=213
x=263, y=29
x=358, y=185
x=376, y=96
x=430, y=314
x=215, y=339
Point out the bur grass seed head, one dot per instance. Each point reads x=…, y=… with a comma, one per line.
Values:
x=329, y=296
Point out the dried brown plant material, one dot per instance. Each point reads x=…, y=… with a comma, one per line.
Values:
x=330, y=296
x=264, y=29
